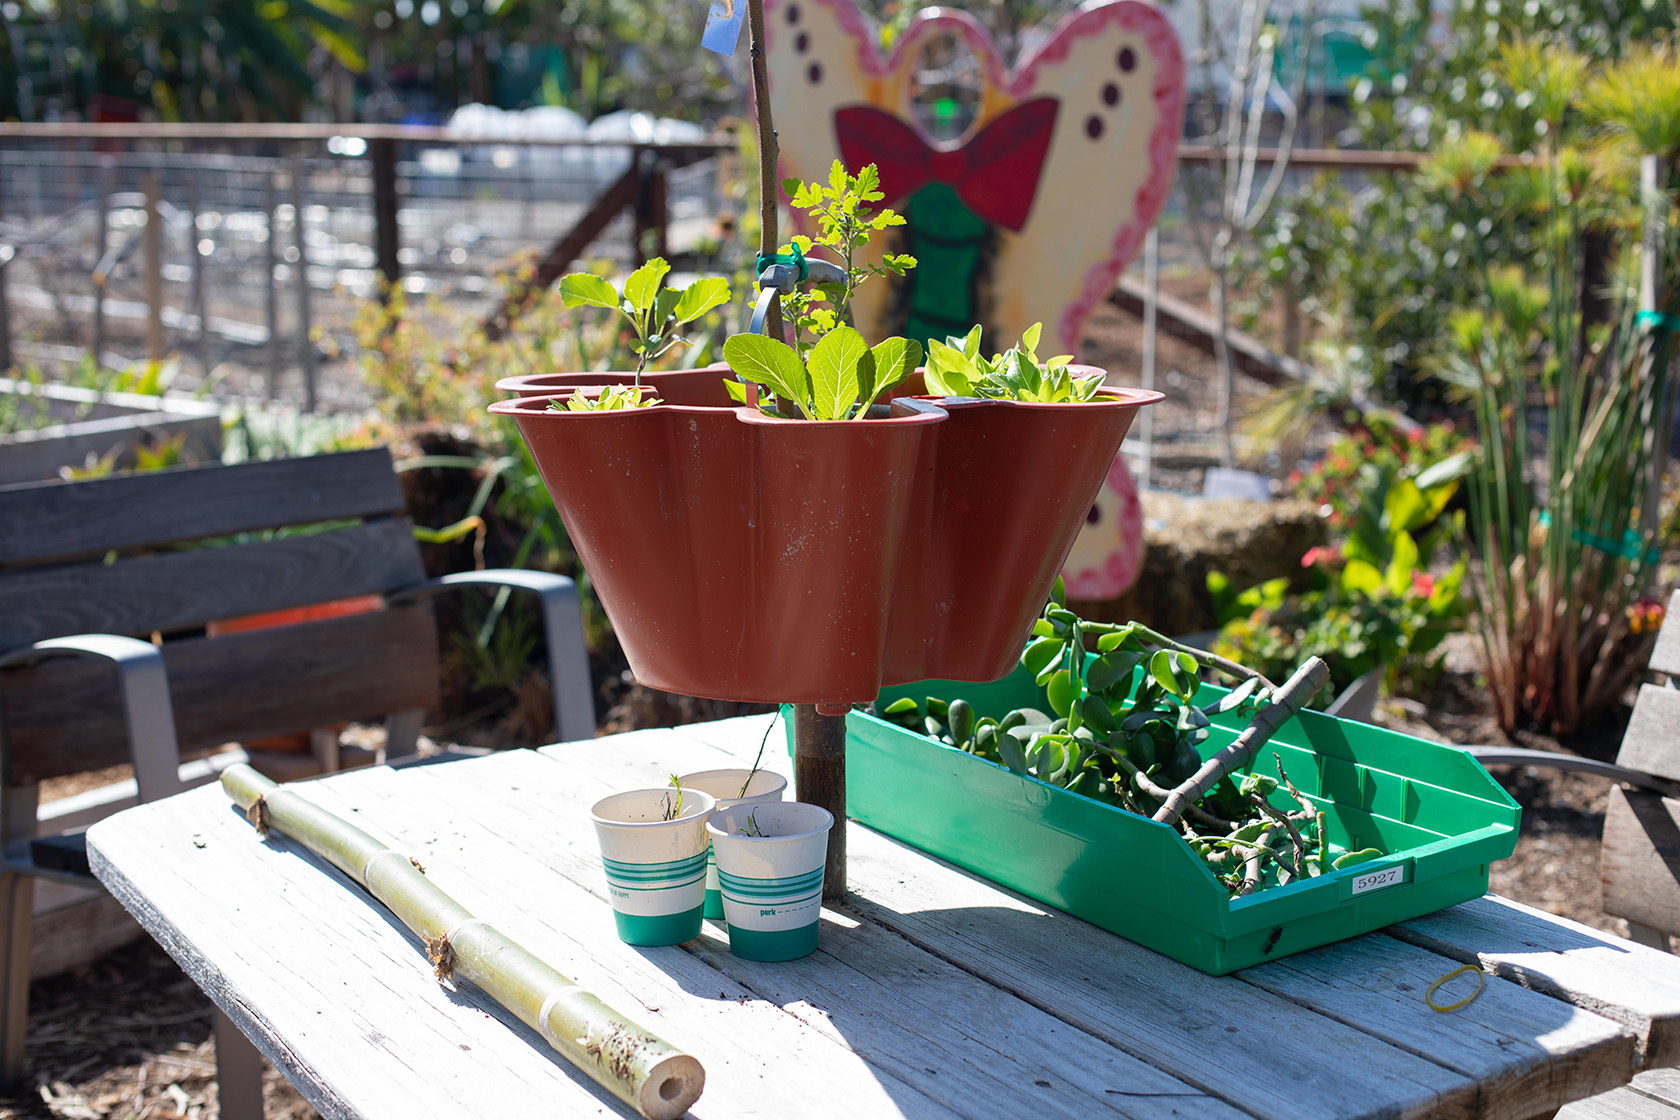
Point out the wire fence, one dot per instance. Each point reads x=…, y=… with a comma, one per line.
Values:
x=252, y=251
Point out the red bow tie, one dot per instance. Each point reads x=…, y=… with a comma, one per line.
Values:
x=995, y=174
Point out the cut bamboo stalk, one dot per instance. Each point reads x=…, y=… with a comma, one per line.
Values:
x=644, y=1071
x=1286, y=701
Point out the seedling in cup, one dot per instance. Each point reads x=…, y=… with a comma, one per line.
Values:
x=653, y=849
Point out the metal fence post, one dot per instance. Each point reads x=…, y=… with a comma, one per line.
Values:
x=306, y=348
x=151, y=244
x=271, y=257
x=7, y=252
x=196, y=259
x=1152, y=287
x=107, y=187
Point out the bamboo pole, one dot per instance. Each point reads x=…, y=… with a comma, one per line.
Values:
x=639, y=1068
x=1286, y=701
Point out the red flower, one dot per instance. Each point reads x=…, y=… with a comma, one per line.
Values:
x=1645, y=615
x=1423, y=584
x=1326, y=556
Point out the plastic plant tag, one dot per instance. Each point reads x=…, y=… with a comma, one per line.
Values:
x=723, y=26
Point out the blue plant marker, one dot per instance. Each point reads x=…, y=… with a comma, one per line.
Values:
x=723, y=26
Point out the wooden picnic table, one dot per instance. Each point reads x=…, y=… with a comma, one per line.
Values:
x=934, y=993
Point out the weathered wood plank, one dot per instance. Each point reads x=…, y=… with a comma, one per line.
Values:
x=1665, y=656
x=63, y=715
x=1271, y=1056
x=1659, y=1084
x=1528, y=1053
x=1652, y=741
x=1619, y=1104
x=903, y=1010
x=175, y=590
x=1639, y=861
x=363, y=1029
x=57, y=520
x=1627, y=983
x=72, y=936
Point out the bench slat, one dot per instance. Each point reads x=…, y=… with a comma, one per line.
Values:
x=1633, y=985
x=63, y=716
x=56, y=520
x=1619, y=1104
x=1652, y=742
x=1640, y=868
x=1665, y=658
x=174, y=590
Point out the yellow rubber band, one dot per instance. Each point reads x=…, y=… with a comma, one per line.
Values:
x=1429, y=995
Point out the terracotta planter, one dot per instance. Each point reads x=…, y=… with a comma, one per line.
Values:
x=677, y=386
x=743, y=557
x=996, y=513
x=738, y=556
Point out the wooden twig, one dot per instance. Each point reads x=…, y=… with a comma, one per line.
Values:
x=1288, y=700
x=644, y=1071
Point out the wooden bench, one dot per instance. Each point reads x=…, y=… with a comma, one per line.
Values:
x=106, y=590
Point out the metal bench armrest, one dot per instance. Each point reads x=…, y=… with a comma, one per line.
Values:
x=562, y=612
x=147, y=710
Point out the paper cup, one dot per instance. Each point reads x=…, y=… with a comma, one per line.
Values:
x=725, y=788
x=656, y=868
x=771, y=883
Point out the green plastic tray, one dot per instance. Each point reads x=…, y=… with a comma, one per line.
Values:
x=1434, y=808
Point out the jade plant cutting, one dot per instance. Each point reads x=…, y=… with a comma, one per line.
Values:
x=655, y=313
x=956, y=368
x=1123, y=728
x=830, y=372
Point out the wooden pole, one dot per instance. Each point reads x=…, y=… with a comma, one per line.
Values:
x=382, y=153
x=819, y=777
x=768, y=153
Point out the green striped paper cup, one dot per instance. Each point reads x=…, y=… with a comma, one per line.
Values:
x=726, y=786
x=656, y=868
x=770, y=857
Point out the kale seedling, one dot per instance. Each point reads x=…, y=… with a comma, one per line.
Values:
x=656, y=314
x=830, y=372
x=955, y=368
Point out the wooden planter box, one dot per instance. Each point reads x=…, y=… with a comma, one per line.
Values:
x=84, y=422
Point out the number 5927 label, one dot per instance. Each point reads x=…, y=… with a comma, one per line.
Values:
x=1389, y=876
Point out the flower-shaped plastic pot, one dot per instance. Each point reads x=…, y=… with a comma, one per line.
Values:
x=653, y=847
x=730, y=788
x=770, y=863
x=702, y=386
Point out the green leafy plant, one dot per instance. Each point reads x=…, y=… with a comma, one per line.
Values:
x=955, y=368
x=1123, y=727
x=673, y=809
x=750, y=828
x=830, y=372
x=655, y=313
x=1374, y=602
x=613, y=398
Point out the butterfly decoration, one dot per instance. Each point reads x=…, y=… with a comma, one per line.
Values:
x=1107, y=555
x=1032, y=213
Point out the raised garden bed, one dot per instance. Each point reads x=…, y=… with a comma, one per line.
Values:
x=78, y=423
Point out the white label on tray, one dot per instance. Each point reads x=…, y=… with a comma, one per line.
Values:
x=1377, y=880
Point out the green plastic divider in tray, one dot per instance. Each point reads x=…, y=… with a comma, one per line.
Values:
x=1435, y=812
